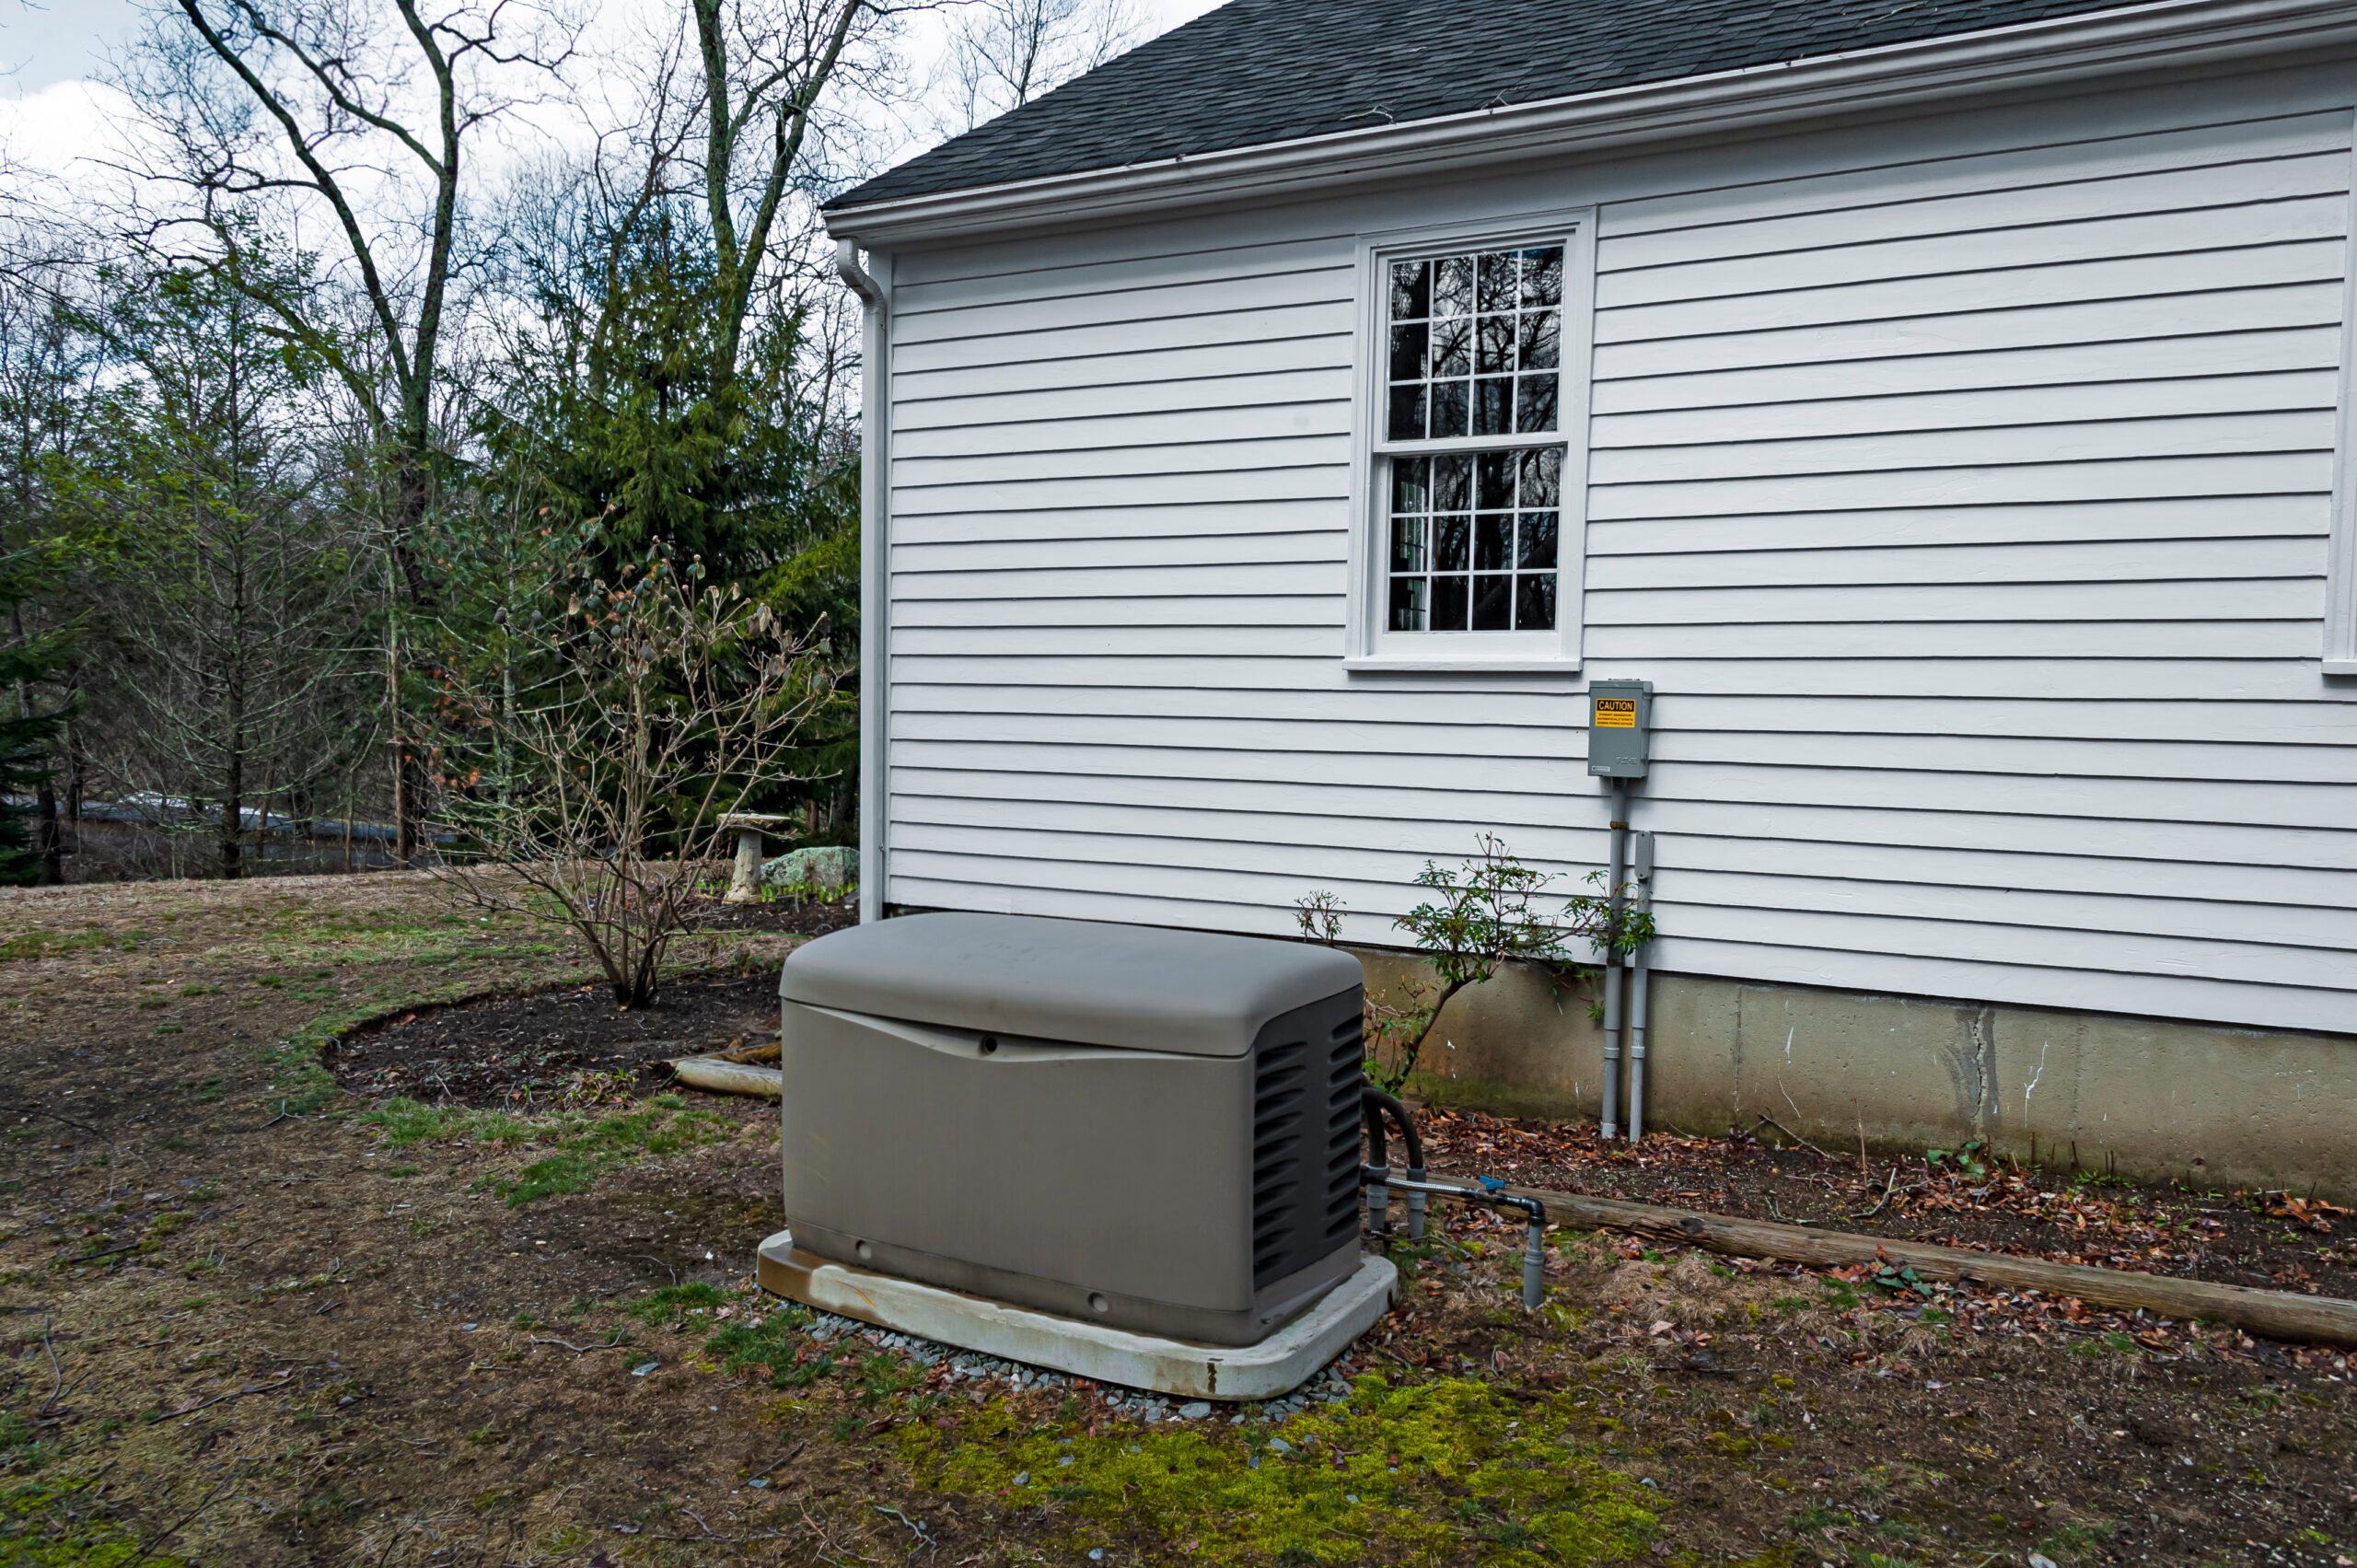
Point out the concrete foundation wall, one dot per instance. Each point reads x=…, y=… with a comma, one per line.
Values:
x=2210, y=1106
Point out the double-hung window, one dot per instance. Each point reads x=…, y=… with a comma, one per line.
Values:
x=1473, y=403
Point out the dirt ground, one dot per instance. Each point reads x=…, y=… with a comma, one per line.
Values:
x=1955, y=1198
x=480, y=1296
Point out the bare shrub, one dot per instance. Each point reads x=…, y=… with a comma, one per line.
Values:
x=599, y=789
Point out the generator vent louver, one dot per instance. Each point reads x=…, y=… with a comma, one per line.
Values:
x=1304, y=1151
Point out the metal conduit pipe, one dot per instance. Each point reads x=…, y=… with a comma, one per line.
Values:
x=1616, y=794
x=1534, y=1232
x=1642, y=873
x=1376, y=1174
x=1412, y=1142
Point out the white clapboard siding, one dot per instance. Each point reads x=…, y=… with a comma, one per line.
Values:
x=1357, y=814
x=1267, y=450
x=1830, y=913
x=2149, y=236
x=2204, y=518
x=2288, y=680
x=2255, y=473
x=1971, y=213
x=1956, y=294
x=1322, y=350
x=1870, y=338
x=1480, y=744
x=947, y=564
x=1163, y=301
x=2293, y=804
x=1109, y=278
x=1989, y=851
x=1971, y=160
x=2138, y=440
x=1205, y=487
x=1962, y=487
x=1882, y=605
x=1144, y=518
x=986, y=588
x=2027, y=561
x=1402, y=715
x=1765, y=390
x=1221, y=416
x=1020, y=350
x=1843, y=965
x=1931, y=640
x=2142, y=401
x=1049, y=409
x=2052, y=895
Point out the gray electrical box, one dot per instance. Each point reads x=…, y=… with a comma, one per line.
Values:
x=1619, y=727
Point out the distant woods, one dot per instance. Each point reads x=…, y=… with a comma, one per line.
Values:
x=404, y=322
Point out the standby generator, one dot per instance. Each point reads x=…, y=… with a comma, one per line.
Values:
x=1153, y=1130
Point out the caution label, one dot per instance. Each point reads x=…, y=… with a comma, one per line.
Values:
x=1616, y=713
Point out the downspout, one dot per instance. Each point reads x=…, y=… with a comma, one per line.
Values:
x=1616, y=792
x=875, y=556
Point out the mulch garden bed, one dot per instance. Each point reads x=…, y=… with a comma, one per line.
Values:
x=574, y=1047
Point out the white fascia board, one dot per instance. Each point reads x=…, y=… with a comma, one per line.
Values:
x=2172, y=32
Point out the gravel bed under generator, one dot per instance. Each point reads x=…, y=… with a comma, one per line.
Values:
x=1330, y=1385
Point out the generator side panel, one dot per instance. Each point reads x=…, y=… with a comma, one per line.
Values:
x=1091, y=1181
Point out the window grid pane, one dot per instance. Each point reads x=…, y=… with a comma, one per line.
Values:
x=1473, y=343
x=1472, y=540
x=1472, y=349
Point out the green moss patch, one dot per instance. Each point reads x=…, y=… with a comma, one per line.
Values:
x=43, y=944
x=46, y=1525
x=1440, y=1472
x=582, y=1146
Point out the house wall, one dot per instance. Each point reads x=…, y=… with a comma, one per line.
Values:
x=1962, y=484
x=2208, y=1105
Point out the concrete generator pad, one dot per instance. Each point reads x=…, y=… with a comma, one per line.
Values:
x=1275, y=1366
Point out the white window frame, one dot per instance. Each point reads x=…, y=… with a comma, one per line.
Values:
x=1371, y=644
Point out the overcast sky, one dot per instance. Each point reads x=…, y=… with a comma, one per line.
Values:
x=54, y=110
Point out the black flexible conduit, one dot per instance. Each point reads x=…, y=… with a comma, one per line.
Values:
x=1375, y=1099
x=1378, y=1178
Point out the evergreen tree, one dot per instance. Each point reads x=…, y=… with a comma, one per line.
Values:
x=652, y=430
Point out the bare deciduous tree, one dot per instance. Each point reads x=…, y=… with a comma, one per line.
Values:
x=674, y=703
x=230, y=593
x=1004, y=53
x=767, y=68
x=362, y=116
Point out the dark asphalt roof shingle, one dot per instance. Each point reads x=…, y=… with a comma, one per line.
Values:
x=1261, y=70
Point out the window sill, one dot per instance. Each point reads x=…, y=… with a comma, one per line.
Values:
x=2340, y=666
x=1472, y=664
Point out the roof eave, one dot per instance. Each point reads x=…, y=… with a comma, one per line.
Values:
x=2097, y=43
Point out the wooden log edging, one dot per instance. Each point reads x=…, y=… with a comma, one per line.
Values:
x=2278, y=1314
x=753, y=1071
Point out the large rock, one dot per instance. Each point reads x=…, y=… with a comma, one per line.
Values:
x=827, y=869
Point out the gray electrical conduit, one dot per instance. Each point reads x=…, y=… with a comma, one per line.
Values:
x=1640, y=969
x=1378, y=1178
x=1616, y=794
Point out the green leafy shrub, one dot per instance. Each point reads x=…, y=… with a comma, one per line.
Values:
x=1480, y=918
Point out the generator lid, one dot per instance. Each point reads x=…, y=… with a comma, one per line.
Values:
x=1142, y=987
